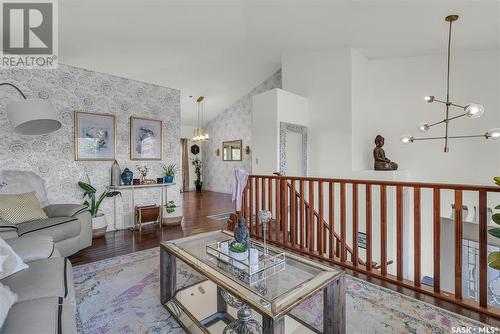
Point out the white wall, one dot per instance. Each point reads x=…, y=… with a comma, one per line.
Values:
x=325, y=79
x=388, y=100
x=269, y=109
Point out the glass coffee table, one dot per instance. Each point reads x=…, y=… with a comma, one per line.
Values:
x=219, y=298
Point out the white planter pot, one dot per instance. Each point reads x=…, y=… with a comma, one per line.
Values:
x=99, y=225
x=174, y=218
x=243, y=257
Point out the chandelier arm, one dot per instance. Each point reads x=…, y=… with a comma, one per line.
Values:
x=470, y=136
x=426, y=138
x=437, y=123
x=457, y=105
x=458, y=116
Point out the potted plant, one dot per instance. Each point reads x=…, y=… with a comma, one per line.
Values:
x=171, y=218
x=238, y=251
x=197, y=169
x=169, y=172
x=93, y=203
x=494, y=257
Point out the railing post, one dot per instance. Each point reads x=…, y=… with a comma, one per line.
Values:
x=383, y=230
x=355, y=224
x=310, y=228
x=437, y=238
x=368, y=197
x=399, y=232
x=331, y=206
x=483, y=250
x=320, y=226
x=416, y=236
x=458, y=244
x=343, y=254
x=293, y=214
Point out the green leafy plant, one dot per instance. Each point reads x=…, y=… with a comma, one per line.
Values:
x=197, y=170
x=170, y=206
x=170, y=170
x=494, y=257
x=94, y=202
x=237, y=247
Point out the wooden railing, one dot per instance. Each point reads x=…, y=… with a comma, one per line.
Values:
x=322, y=218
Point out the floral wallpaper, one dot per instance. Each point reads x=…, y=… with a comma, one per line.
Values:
x=52, y=156
x=234, y=123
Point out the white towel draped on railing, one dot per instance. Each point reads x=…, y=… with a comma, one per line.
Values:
x=239, y=183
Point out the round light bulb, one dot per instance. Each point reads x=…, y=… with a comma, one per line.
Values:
x=429, y=99
x=206, y=135
x=493, y=134
x=474, y=110
x=406, y=139
x=423, y=127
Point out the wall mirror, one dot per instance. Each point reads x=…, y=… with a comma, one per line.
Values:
x=231, y=150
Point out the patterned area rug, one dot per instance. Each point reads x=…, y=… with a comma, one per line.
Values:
x=121, y=295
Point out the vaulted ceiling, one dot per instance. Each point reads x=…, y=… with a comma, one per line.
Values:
x=223, y=49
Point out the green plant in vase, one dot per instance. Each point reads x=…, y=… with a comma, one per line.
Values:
x=93, y=203
x=169, y=172
x=237, y=247
x=170, y=207
x=197, y=170
x=494, y=257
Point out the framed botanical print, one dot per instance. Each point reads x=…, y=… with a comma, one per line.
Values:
x=146, y=139
x=95, y=136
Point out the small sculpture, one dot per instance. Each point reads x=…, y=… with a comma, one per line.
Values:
x=241, y=233
x=381, y=161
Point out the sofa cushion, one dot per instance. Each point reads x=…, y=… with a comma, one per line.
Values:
x=59, y=228
x=44, y=278
x=44, y=315
x=10, y=262
x=7, y=299
x=32, y=248
x=20, y=208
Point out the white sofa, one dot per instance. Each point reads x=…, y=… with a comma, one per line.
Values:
x=45, y=291
x=69, y=225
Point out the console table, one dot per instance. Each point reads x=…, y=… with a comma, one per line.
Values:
x=204, y=307
x=133, y=188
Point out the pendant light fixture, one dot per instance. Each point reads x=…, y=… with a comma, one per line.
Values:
x=200, y=135
x=472, y=110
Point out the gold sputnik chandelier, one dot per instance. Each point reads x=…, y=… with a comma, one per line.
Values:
x=472, y=110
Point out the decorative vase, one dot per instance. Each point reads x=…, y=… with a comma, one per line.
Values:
x=243, y=256
x=127, y=177
x=198, y=186
x=169, y=179
x=99, y=226
x=115, y=174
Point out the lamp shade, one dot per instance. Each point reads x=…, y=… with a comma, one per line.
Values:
x=32, y=117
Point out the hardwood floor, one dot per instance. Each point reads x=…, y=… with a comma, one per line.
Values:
x=197, y=206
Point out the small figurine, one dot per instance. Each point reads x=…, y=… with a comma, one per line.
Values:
x=241, y=233
x=381, y=161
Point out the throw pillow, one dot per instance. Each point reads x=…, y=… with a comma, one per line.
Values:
x=10, y=262
x=20, y=208
x=7, y=299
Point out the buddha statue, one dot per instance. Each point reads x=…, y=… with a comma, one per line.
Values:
x=381, y=161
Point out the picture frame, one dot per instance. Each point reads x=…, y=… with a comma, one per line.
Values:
x=94, y=136
x=146, y=139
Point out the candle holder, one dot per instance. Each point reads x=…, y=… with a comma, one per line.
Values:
x=264, y=217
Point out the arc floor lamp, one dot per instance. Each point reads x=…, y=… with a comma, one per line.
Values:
x=31, y=116
x=472, y=110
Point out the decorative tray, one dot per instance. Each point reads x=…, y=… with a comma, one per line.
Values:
x=252, y=265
